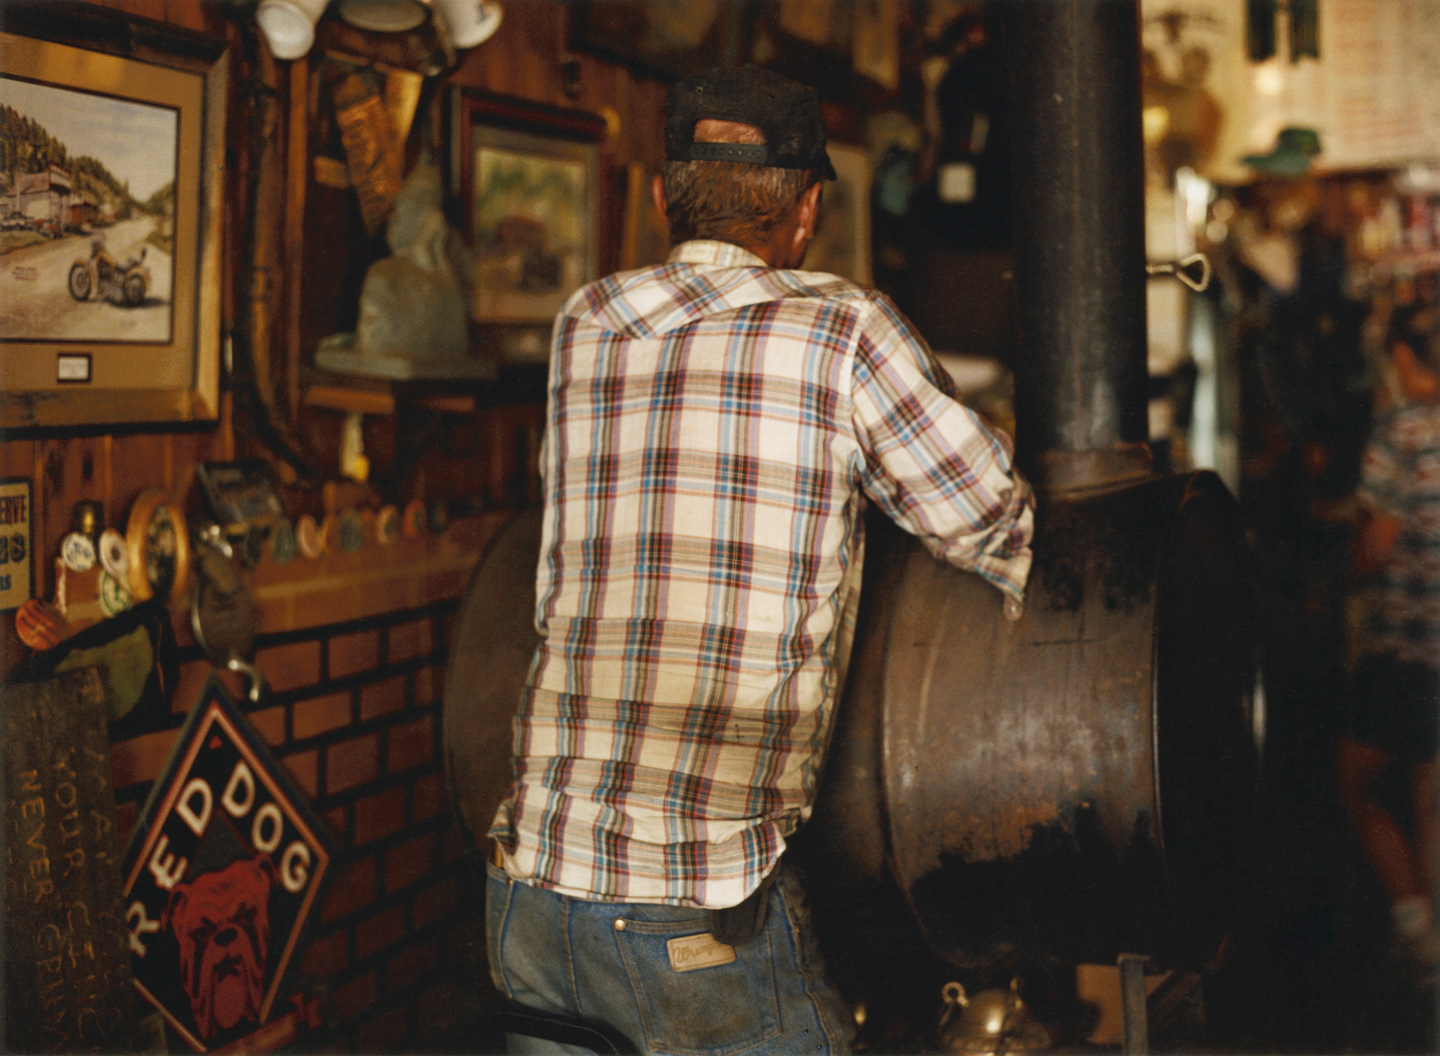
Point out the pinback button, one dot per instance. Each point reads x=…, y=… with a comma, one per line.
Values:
x=413, y=523
x=308, y=538
x=350, y=532
x=40, y=625
x=387, y=525
x=283, y=546
x=78, y=552
x=114, y=555
x=114, y=595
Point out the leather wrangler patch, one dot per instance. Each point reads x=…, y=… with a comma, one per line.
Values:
x=698, y=951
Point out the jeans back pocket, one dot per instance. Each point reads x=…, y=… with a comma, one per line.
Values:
x=712, y=1004
x=497, y=908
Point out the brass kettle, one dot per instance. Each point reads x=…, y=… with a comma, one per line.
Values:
x=991, y=1023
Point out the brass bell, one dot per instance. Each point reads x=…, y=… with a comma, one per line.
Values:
x=990, y=1023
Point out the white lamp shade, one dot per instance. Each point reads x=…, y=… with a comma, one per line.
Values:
x=289, y=25
x=469, y=22
x=384, y=16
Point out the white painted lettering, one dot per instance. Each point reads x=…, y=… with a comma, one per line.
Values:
x=198, y=820
x=240, y=777
x=295, y=867
x=166, y=870
x=267, y=842
x=140, y=924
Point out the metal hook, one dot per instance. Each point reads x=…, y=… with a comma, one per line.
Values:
x=253, y=673
x=1183, y=269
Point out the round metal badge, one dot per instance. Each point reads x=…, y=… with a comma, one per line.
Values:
x=40, y=625
x=78, y=552
x=283, y=546
x=308, y=538
x=351, y=532
x=114, y=595
x=387, y=525
x=413, y=521
x=114, y=555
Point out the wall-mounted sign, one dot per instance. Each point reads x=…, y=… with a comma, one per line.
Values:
x=17, y=552
x=67, y=971
x=221, y=873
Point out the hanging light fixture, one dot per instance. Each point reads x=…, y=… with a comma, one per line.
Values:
x=288, y=26
x=468, y=22
x=385, y=16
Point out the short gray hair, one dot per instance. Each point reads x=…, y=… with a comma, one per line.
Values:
x=730, y=201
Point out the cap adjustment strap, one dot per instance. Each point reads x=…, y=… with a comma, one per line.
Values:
x=753, y=153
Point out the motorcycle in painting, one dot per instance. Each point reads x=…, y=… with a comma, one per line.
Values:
x=124, y=283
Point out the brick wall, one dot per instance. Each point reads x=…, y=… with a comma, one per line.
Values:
x=354, y=644
x=353, y=711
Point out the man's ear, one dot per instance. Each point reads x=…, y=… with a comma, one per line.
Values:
x=657, y=191
x=809, y=210
x=807, y=213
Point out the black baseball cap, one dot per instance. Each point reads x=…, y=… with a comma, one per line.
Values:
x=786, y=111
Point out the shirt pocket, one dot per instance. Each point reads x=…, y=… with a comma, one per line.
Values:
x=719, y=1007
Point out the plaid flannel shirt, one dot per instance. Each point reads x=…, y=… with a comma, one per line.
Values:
x=713, y=426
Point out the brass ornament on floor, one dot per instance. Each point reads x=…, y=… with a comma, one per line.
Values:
x=990, y=1023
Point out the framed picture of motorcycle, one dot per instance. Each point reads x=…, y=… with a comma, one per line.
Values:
x=111, y=163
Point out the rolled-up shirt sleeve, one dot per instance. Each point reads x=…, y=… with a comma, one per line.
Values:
x=931, y=464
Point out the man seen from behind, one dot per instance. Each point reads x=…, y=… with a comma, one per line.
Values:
x=714, y=427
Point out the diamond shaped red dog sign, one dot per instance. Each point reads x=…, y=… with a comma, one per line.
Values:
x=223, y=869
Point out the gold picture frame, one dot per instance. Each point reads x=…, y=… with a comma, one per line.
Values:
x=529, y=179
x=92, y=331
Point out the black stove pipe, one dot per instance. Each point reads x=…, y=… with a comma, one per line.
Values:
x=1078, y=199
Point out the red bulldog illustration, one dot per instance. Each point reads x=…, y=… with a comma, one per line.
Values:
x=221, y=920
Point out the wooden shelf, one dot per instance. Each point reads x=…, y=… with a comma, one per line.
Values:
x=515, y=382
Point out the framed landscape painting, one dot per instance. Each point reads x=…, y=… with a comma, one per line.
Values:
x=111, y=147
x=528, y=181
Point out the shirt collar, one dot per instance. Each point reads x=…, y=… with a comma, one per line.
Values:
x=708, y=251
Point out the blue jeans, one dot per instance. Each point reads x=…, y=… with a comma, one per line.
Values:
x=615, y=962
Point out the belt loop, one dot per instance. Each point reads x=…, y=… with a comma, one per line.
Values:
x=497, y=855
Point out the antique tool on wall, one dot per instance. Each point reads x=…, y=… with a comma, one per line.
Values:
x=241, y=498
x=222, y=613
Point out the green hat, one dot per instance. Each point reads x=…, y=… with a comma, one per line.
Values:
x=1290, y=157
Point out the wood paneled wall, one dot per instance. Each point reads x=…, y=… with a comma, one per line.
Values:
x=523, y=59
x=390, y=952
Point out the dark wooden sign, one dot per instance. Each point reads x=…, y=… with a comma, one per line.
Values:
x=221, y=873
x=67, y=951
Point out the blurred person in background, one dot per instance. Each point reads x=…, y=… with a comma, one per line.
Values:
x=1392, y=726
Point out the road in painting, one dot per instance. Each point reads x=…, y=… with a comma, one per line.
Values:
x=87, y=215
x=35, y=302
